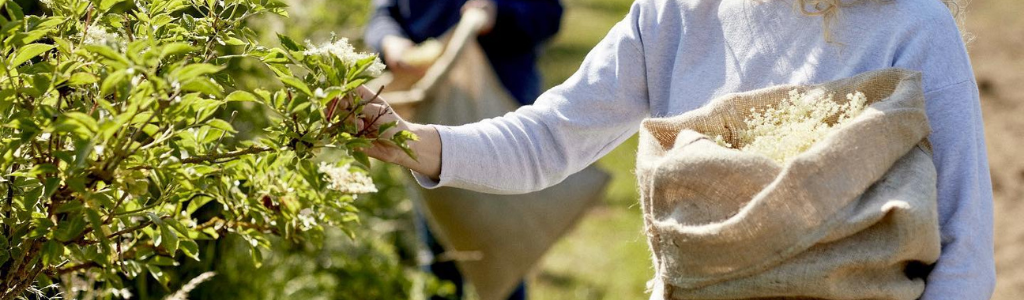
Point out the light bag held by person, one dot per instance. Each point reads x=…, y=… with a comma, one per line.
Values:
x=853, y=217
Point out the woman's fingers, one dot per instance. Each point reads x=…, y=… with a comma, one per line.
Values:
x=369, y=95
x=376, y=114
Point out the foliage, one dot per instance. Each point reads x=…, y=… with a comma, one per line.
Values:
x=374, y=265
x=113, y=162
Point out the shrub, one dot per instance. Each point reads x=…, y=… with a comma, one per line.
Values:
x=111, y=149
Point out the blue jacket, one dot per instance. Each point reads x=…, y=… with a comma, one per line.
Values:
x=512, y=46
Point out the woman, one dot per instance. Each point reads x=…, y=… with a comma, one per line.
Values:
x=671, y=56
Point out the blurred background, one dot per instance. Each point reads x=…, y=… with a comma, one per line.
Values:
x=605, y=256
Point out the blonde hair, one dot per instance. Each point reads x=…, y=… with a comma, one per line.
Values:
x=829, y=10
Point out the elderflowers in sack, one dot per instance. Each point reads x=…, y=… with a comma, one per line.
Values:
x=795, y=124
x=827, y=198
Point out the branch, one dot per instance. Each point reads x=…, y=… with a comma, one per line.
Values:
x=72, y=269
x=212, y=158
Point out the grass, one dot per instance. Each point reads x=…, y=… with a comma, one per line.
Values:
x=606, y=255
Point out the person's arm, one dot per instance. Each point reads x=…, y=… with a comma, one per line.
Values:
x=568, y=128
x=966, y=268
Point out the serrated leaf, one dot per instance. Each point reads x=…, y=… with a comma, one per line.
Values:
x=175, y=49
x=82, y=78
x=362, y=158
x=194, y=70
x=28, y=52
x=107, y=4
x=97, y=226
x=168, y=239
x=297, y=84
x=14, y=11
x=84, y=119
x=70, y=229
x=112, y=81
x=384, y=127
x=203, y=85
x=53, y=252
x=222, y=125
x=288, y=43
x=190, y=248
x=106, y=52
x=242, y=96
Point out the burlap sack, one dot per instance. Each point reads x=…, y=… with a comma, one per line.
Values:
x=854, y=217
x=496, y=238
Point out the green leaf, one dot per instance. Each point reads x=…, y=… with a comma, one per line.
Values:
x=69, y=229
x=84, y=119
x=97, y=226
x=297, y=84
x=222, y=125
x=288, y=43
x=175, y=49
x=28, y=52
x=106, y=52
x=190, y=248
x=73, y=206
x=242, y=96
x=14, y=11
x=362, y=158
x=168, y=239
x=107, y=4
x=158, y=274
x=82, y=78
x=257, y=256
x=112, y=81
x=53, y=253
x=194, y=70
x=203, y=85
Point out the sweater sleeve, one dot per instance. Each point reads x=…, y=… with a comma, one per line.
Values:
x=966, y=269
x=568, y=128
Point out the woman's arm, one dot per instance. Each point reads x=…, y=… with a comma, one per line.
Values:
x=568, y=128
x=966, y=268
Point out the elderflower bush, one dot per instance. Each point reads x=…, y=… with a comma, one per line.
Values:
x=110, y=148
x=795, y=124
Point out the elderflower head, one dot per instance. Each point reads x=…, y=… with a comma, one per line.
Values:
x=97, y=35
x=795, y=124
x=344, y=51
x=342, y=180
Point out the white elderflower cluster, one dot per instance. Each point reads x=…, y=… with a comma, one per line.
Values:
x=344, y=51
x=342, y=180
x=795, y=124
x=97, y=35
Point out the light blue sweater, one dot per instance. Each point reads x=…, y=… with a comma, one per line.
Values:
x=670, y=56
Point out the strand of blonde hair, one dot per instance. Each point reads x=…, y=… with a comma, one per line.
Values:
x=829, y=10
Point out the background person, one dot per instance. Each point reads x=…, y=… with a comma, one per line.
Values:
x=511, y=40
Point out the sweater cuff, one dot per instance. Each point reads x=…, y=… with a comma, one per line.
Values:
x=447, y=159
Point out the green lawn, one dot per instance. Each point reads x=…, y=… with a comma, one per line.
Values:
x=606, y=255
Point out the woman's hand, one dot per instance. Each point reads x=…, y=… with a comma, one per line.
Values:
x=490, y=10
x=427, y=148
